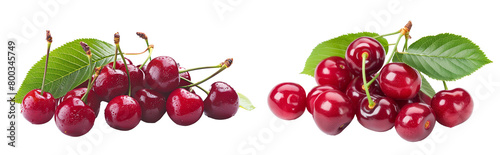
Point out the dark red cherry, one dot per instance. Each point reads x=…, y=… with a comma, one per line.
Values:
x=184, y=75
x=415, y=122
x=162, y=74
x=333, y=71
x=111, y=83
x=356, y=91
x=222, y=102
x=183, y=107
x=73, y=117
x=399, y=81
x=136, y=77
x=374, y=61
x=287, y=100
x=123, y=113
x=333, y=112
x=452, y=107
x=153, y=104
x=313, y=94
x=37, y=108
x=380, y=117
x=93, y=101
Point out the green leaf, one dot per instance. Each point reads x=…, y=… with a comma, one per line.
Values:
x=426, y=87
x=335, y=47
x=245, y=102
x=68, y=67
x=445, y=56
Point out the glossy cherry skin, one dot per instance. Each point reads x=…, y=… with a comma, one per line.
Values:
x=136, y=77
x=110, y=83
x=356, y=92
x=379, y=118
x=74, y=118
x=415, y=122
x=93, y=101
x=184, y=75
x=314, y=93
x=287, y=100
x=123, y=113
x=37, y=108
x=399, y=81
x=183, y=107
x=333, y=71
x=162, y=74
x=452, y=107
x=222, y=102
x=153, y=104
x=333, y=112
x=376, y=55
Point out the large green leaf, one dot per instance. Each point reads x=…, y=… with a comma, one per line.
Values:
x=444, y=56
x=68, y=67
x=336, y=47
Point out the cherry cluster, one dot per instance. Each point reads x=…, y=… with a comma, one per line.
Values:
x=133, y=93
x=380, y=100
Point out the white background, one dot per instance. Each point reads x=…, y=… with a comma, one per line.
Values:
x=269, y=41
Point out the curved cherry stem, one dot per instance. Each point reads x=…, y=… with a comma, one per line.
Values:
x=371, y=104
x=445, y=86
x=198, y=68
x=84, y=97
x=224, y=65
x=389, y=34
x=149, y=55
x=199, y=87
x=126, y=69
x=49, y=42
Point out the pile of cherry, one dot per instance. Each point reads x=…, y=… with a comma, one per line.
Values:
x=394, y=99
x=161, y=86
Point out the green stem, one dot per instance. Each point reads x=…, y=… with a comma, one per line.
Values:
x=389, y=34
x=126, y=69
x=445, y=86
x=371, y=104
x=197, y=83
x=46, y=65
x=116, y=54
x=148, y=58
x=389, y=60
x=199, y=87
x=198, y=68
x=84, y=97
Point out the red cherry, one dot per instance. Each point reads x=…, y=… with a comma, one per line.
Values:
x=93, y=101
x=333, y=71
x=415, y=122
x=333, y=112
x=136, y=77
x=355, y=50
x=184, y=75
x=399, y=81
x=314, y=93
x=287, y=100
x=73, y=117
x=153, y=104
x=111, y=83
x=162, y=74
x=222, y=102
x=379, y=118
x=37, y=108
x=452, y=107
x=183, y=107
x=123, y=113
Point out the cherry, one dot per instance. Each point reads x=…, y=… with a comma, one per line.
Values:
x=93, y=101
x=313, y=94
x=379, y=118
x=123, y=113
x=183, y=107
x=74, y=118
x=420, y=97
x=162, y=74
x=184, y=75
x=333, y=71
x=110, y=83
x=399, y=81
x=333, y=112
x=452, y=107
x=136, y=77
x=356, y=92
x=153, y=104
x=374, y=61
x=38, y=108
x=287, y=100
x=222, y=102
x=415, y=122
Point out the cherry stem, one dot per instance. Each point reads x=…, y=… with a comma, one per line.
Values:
x=149, y=55
x=84, y=97
x=445, y=86
x=126, y=69
x=46, y=65
x=389, y=34
x=206, y=92
x=390, y=58
x=198, y=68
x=114, y=62
x=371, y=104
x=209, y=77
